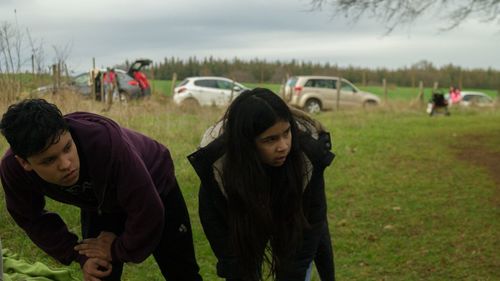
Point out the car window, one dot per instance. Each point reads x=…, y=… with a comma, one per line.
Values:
x=347, y=87
x=240, y=85
x=207, y=83
x=123, y=77
x=82, y=79
x=223, y=84
x=467, y=97
x=482, y=99
x=321, y=83
x=291, y=81
x=184, y=82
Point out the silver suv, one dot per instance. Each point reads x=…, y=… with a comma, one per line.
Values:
x=316, y=93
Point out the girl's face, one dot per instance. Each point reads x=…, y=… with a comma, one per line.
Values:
x=274, y=144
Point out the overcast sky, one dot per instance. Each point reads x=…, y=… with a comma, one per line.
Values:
x=115, y=30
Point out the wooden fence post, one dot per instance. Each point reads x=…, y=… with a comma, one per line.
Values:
x=339, y=85
x=33, y=66
x=384, y=85
x=152, y=72
x=421, y=91
x=101, y=89
x=93, y=76
x=58, y=75
x=54, y=79
x=172, y=87
x=436, y=85
x=231, y=97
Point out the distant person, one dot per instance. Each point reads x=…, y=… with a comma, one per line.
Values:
x=262, y=195
x=455, y=95
x=143, y=83
x=438, y=103
x=122, y=181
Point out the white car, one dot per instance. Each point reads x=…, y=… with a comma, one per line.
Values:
x=207, y=91
x=476, y=99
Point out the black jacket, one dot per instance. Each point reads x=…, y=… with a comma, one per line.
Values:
x=213, y=205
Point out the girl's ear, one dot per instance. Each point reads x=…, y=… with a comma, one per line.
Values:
x=25, y=164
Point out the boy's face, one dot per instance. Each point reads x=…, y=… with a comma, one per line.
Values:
x=59, y=164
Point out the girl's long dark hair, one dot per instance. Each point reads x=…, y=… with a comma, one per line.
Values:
x=264, y=203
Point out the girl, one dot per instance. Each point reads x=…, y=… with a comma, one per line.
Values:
x=262, y=198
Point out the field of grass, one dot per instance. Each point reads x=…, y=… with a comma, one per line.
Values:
x=404, y=202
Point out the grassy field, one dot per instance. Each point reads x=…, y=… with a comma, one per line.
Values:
x=409, y=195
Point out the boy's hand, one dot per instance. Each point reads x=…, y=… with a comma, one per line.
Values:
x=99, y=247
x=94, y=269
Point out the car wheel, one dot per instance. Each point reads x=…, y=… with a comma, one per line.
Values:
x=313, y=106
x=369, y=104
x=190, y=104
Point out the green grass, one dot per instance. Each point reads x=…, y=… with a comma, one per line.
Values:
x=401, y=203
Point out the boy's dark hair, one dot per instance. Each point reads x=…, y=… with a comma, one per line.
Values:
x=31, y=126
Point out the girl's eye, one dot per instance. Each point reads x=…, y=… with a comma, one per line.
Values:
x=67, y=148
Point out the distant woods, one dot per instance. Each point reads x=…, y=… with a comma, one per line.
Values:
x=262, y=71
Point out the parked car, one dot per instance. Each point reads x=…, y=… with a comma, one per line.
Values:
x=316, y=93
x=128, y=86
x=207, y=91
x=475, y=99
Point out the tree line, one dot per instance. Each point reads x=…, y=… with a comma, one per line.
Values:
x=262, y=71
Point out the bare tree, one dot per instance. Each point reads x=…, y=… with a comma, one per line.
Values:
x=10, y=46
x=393, y=13
x=37, y=52
x=62, y=53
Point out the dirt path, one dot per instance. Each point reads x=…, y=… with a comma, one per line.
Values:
x=471, y=148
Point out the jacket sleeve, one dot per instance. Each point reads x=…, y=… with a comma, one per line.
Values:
x=212, y=206
x=139, y=198
x=27, y=207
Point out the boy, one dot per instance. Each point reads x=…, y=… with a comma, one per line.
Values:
x=123, y=182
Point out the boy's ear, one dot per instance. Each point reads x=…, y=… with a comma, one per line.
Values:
x=25, y=164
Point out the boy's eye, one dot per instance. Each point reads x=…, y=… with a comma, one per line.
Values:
x=48, y=161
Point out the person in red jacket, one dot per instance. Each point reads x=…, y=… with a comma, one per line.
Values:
x=122, y=181
x=143, y=83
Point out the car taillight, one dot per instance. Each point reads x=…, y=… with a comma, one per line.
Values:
x=133, y=83
x=297, y=90
x=181, y=90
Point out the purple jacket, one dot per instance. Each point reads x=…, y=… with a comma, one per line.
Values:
x=129, y=172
